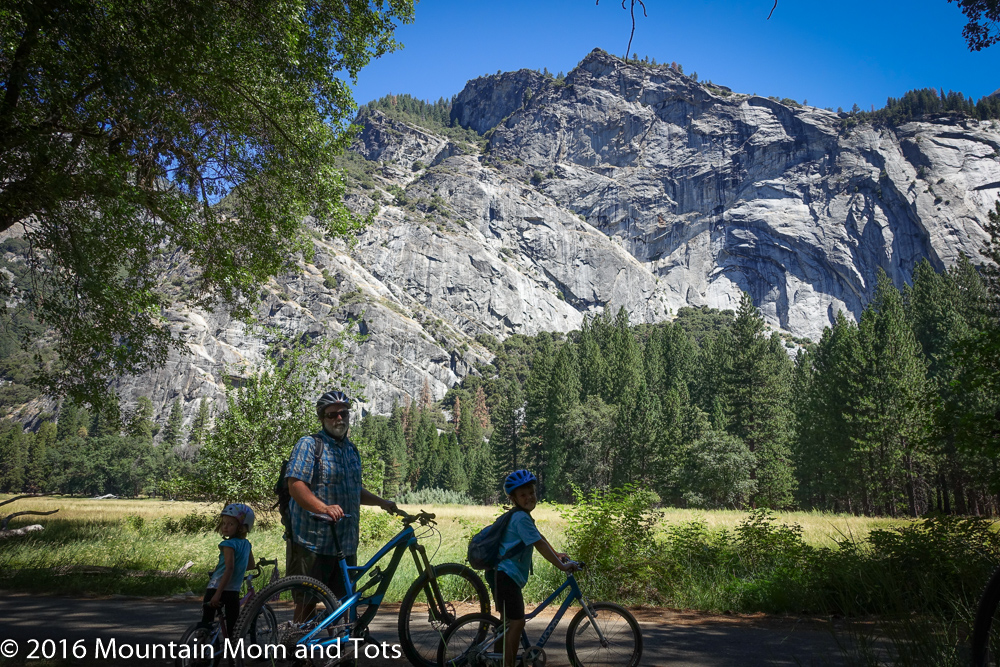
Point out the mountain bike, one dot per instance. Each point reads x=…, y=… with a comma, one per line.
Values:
x=601, y=633
x=263, y=627
x=986, y=628
x=313, y=624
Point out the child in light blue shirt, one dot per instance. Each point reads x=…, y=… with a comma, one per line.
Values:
x=235, y=557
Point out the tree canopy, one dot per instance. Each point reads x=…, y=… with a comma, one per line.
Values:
x=133, y=130
x=983, y=28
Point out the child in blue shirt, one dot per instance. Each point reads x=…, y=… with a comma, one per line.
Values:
x=512, y=573
x=235, y=557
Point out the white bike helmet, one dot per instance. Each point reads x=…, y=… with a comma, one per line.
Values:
x=241, y=513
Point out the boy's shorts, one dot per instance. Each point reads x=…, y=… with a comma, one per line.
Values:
x=510, y=600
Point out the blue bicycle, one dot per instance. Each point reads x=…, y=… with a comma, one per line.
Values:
x=601, y=634
x=314, y=627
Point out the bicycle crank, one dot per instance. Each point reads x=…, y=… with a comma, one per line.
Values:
x=533, y=657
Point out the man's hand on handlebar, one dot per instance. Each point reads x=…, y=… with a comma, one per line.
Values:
x=391, y=508
x=335, y=512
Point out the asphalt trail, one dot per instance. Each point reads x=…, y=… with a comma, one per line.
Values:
x=684, y=639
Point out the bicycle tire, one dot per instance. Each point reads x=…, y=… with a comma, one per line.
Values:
x=466, y=632
x=420, y=634
x=621, y=632
x=264, y=629
x=280, y=599
x=196, y=636
x=986, y=628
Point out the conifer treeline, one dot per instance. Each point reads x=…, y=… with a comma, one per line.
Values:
x=880, y=417
x=897, y=414
x=84, y=454
x=923, y=101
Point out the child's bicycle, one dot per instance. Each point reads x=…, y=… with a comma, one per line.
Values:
x=601, y=633
x=314, y=627
x=264, y=629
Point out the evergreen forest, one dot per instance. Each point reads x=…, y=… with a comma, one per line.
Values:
x=886, y=416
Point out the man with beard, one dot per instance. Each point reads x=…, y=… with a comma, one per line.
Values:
x=334, y=489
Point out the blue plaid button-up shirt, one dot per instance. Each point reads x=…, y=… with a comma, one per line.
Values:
x=338, y=483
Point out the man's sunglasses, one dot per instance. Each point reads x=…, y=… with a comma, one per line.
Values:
x=333, y=414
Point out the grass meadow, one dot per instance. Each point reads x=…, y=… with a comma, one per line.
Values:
x=136, y=546
x=907, y=587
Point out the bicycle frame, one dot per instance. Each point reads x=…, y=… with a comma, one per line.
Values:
x=574, y=595
x=405, y=539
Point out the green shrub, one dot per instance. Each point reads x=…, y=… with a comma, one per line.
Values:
x=418, y=165
x=612, y=531
x=189, y=524
x=377, y=526
x=435, y=496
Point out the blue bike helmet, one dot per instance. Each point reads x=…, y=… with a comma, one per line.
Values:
x=517, y=479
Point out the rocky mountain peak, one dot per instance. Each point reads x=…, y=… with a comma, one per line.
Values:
x=622, y=185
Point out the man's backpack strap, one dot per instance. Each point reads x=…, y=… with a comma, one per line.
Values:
x=317, y=457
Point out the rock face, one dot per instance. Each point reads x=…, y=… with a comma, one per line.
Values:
x=623, y=185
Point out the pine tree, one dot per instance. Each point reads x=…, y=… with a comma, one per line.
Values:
x=536, y=389
x=889, y=402
x=824, y=452
x=508, y=419
x=141, y=424
x=562, y=398
x=594, y=374
x=756, y=387
x=71, y=418
x=37, y=467
x=453, y=474
x=199, y=426
x=481, y=412
x=12, y=458
x=173, y=433
x=638, y=439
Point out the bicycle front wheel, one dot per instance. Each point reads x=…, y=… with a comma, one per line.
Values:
x=467, y=640
x=435, y=600
x=986, y=630
x=615, y=641
x=272, y=623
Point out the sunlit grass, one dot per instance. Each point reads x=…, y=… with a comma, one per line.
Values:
x=133, y=537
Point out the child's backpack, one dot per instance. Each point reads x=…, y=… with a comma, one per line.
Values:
x=484, y=549
x=281, y=486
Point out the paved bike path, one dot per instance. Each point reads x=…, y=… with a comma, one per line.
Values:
x=685, y=639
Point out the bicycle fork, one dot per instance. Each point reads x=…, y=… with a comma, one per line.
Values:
x=436, y=604
x=592, y=621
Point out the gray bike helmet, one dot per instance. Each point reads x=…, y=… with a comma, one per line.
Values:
x=331, y=398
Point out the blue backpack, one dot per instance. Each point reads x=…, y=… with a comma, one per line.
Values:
x=484, y=549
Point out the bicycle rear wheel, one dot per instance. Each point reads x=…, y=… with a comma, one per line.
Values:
x=466, y=639
x=986, y=629
x=622, y=639
x=423, y=621
x=273, y=622
x=194, y=638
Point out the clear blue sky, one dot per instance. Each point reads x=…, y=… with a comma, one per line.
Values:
x=829, y=53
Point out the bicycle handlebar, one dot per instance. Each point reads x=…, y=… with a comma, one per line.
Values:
x=326, y=518
x=421, y=517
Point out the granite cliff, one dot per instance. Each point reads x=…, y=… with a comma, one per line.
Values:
x=622, y=185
